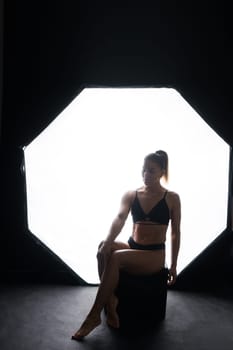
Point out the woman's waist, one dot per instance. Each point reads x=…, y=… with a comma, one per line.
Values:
x=145, y=245
x=149, y=236
x=149, y=227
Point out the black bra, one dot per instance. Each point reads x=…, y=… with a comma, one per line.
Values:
x=159, y=214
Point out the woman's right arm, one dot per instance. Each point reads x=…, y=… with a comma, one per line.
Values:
x=119, y=220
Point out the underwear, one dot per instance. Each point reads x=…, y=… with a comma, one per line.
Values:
x=135, y=245
x=159, y=214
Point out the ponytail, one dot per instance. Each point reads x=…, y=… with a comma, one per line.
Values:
x=163, y=161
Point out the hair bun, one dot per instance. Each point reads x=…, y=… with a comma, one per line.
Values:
x=161, y=153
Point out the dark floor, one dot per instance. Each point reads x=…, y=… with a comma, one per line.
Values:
x=45, y=316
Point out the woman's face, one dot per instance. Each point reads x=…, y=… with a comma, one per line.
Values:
x=151, y=172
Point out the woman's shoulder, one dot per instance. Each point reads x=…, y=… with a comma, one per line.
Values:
x=173, y=201
x=130, y=194
x=173, y=196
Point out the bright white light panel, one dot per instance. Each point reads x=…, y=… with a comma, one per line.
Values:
x=80, y=166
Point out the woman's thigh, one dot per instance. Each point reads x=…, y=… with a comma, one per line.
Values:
x=117, y=245
x=140, y=261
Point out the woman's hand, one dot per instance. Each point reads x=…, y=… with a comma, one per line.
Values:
x=104, y=248
x=104, y=251
x=172, y=274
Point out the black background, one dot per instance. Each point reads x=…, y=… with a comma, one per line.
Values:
x=54, y=49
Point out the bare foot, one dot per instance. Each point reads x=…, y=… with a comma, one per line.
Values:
x=88, y=325
x=112, y=316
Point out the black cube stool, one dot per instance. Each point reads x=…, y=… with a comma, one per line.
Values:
x=142, y=299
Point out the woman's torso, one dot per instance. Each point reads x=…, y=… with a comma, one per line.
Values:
x=151, y=215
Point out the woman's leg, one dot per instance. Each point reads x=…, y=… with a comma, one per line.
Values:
x=111, y=305
x=132, y=261
x=102, y=263
x=106, y=288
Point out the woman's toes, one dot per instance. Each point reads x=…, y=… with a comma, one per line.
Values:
x=88, y=325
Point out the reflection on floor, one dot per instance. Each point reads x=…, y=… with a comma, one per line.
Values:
x=45, y=316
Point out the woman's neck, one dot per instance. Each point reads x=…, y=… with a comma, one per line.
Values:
x=156, y=188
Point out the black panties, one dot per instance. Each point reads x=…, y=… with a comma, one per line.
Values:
x=135, y=245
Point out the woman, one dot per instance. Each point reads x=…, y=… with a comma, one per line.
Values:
x=152, y=207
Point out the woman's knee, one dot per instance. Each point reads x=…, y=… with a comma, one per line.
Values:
x=100, y=245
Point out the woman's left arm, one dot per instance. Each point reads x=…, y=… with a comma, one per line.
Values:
x=175, y=236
